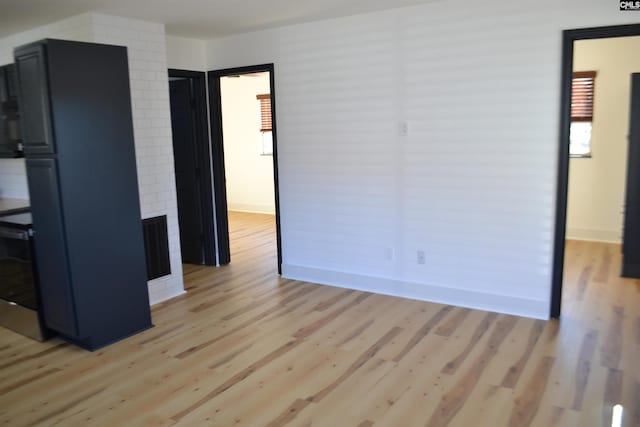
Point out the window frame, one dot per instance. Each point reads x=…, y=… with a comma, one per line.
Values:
x=586, y=104
x=264, y=100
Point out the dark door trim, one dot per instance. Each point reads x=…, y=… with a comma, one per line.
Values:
x=199, y=80
x=217, y=151
x=568, y=37
x=631, y=233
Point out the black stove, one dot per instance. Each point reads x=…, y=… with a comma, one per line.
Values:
x=20, y=221
x=18, y=277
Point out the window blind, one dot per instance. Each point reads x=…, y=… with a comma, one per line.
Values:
x=582, y=90
x=265, y=112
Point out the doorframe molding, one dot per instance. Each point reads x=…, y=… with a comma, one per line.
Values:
x=631, y=234
x=199, y=79
x=217, y=155
x=568, y=37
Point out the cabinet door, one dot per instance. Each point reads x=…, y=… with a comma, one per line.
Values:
x=9, y=133
x=10, y=75
x=5, y=147
x=4, y=89
x=33, y=100
x=50, y=244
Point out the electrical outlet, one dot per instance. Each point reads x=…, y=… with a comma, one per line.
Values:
x=420, y=258
x=388, y=254
x=403, y=128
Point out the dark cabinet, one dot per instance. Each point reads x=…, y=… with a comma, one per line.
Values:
x=5, y=150
x=51, y=251
x=10, y=138
x=4, y=89
x=34, y=100
x=78, y=135
x=12, y=87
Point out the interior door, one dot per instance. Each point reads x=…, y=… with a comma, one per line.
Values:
x=631, y=234
x=187, y=171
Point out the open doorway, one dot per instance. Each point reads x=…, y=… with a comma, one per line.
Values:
x=244, y=156
x=189, y=126
x=596, y=218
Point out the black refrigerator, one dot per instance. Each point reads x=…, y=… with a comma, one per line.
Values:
x=77, y=132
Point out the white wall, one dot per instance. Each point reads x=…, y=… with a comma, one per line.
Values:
x=146, y=47
x=13, y=179
x=597, y=184
x=473, y=184
x=249, y=175
x=186, y=54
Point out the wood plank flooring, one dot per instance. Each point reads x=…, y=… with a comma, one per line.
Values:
x=245, y=347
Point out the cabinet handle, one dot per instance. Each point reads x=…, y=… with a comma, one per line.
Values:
x=7, y=233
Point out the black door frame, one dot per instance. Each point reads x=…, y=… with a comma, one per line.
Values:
x=199, y=80
x=568, y=37
x=631, y=233
x=217, y=156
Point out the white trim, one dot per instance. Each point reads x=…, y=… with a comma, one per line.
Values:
x=538, y=309
x=605, y=236
x=249, y=208
x=158, y=297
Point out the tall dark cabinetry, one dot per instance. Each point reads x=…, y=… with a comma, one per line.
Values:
x=631, y=234
x=10, y=144
x=78, y=141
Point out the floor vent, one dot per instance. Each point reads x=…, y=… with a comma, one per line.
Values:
x=156, y=244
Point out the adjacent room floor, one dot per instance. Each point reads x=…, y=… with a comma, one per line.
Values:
x=245, y=347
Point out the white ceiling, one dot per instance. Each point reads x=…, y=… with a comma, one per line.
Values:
x=202, y=19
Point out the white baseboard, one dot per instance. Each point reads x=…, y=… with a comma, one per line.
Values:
x=243, y=207
x=605, y=236
x=156, y=296
x=506, y=304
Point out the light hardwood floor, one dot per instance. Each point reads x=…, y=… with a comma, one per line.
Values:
x=244, y=347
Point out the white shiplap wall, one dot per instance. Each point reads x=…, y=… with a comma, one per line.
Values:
x=146, y=48
x=472, y=185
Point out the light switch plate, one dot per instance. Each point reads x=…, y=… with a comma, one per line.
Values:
x=403, y=128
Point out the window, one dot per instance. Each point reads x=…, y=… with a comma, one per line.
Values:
x=582, y=100
x=265, y=112
x=266, y=138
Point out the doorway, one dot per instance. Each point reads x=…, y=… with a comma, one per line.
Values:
x=570, y=37
x=189, y=126
x=244, y=151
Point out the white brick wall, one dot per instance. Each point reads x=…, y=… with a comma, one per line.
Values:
x=13, y=179
x=145, y=42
